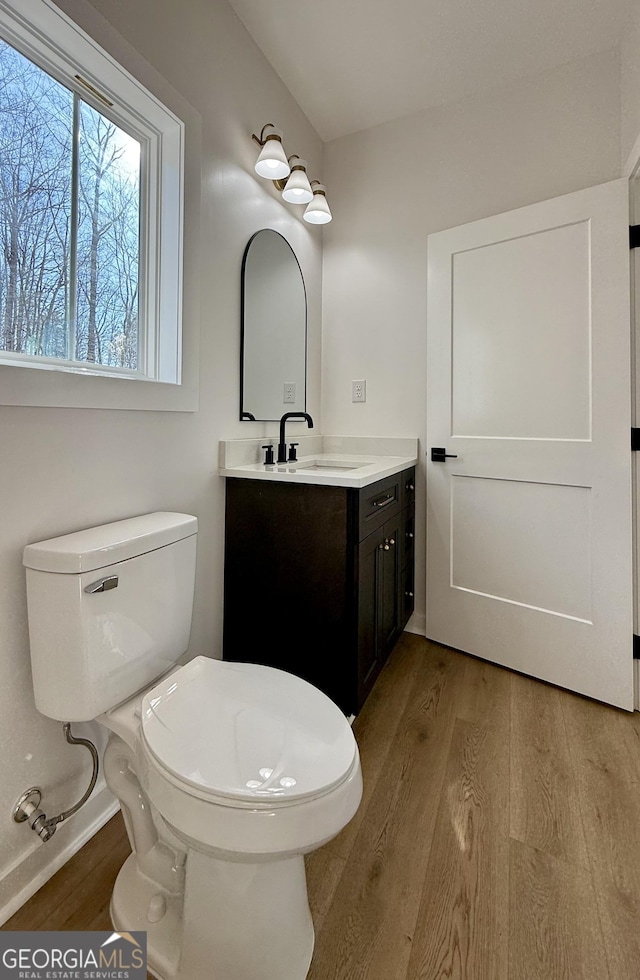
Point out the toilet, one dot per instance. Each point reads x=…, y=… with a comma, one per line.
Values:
x=227, y=773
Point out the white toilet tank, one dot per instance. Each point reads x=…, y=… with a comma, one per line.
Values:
x=109, y=611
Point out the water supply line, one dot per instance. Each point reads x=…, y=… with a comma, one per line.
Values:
x=28, y=806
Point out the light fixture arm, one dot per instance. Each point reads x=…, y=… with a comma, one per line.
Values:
x=261, y=139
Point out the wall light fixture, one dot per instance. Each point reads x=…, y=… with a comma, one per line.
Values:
x=272, y=162
x=318, y=211
x=290, y=176
x=297, y=189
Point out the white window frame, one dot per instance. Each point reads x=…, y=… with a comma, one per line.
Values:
x=43, y=33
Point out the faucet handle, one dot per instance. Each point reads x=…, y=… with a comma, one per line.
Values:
x=268, y=456
x=292, y=452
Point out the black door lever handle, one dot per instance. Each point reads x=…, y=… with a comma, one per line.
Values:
x=439, y=455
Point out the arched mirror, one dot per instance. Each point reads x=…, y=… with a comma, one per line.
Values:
x=273, y=371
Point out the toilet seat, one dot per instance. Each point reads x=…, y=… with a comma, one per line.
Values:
x=245, y=735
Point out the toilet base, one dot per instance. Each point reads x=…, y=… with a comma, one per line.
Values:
x=131, y=898
x=239, y=921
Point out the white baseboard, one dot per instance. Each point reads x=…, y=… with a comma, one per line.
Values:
x=41, y=861
x=417, y=624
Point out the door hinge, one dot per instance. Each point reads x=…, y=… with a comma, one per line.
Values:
x=636, y=647
x=634, y=236
x=635, y=439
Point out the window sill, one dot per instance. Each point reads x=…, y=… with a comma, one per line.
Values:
x=67, y=389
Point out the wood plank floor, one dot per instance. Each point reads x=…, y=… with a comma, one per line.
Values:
x=498, y=836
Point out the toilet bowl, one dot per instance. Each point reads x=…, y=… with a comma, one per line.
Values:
x=247, y=768
x=227, y=773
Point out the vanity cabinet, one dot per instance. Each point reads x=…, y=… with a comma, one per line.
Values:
x=319, y=579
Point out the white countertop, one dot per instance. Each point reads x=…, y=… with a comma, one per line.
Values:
x=325, y=469
x=334, y=461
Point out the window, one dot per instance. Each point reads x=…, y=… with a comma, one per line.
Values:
x=69, y=223
x=90, y=206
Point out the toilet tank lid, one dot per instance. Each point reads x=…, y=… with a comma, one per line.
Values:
x=98, y=547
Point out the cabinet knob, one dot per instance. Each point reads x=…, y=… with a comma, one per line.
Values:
x=385, y=546
x=409, y=486
x=410, y=535
x=409, y=595
x=392, y=540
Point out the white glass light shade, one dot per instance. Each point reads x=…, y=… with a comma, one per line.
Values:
x=318, y=212
x=272, y=162
x=298, y=189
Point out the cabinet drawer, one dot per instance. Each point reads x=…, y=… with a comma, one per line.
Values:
x=378, y=502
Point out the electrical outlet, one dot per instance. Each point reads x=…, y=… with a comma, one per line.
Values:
x=289, y=396
x=358, y=391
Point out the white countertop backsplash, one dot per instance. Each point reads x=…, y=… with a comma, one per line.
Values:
x=240, y=452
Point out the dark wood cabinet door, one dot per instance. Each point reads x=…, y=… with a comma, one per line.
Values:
x=388, y=587
x=407, y=563
x=379, y=598
x=369, y=558
x=406, y=595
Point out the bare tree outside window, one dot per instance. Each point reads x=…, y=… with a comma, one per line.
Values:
x=69, y=223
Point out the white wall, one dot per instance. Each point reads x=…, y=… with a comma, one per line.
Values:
x=64, y=469
x=630, y=83
x=393, y=185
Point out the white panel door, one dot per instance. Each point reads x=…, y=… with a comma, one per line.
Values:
x=528, y=389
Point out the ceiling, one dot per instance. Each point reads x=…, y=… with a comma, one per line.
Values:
x=352, y=64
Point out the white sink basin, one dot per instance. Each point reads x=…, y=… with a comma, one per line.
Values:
x=324, y=466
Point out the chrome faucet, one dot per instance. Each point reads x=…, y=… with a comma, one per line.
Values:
x=282, y=445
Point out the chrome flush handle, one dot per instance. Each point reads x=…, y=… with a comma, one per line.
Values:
x=102, y=585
